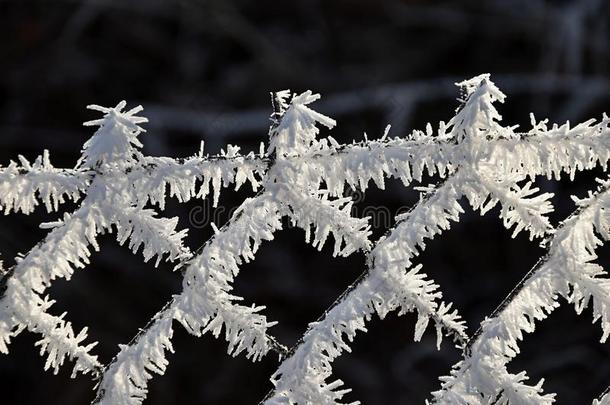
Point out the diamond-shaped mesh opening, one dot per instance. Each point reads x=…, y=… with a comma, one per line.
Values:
x=29, y=383
x=295, y=282
x=478, y=248
x=382, y=206
x=197, y=215
x=200, y=371
x=111, y=298
x=565, y=351
x=564, y=188
x=386, y=366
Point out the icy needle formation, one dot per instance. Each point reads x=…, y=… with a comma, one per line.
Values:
x=303, y=177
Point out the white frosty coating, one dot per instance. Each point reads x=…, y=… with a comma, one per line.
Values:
x=194, y=176
x=206, y=303
x=569, y=271
x=112, y=200
x=116, y=141
x=22, y=186
x=297, y=130
x=604, y=399
x=326, y=217
x=301, y=378
x=303, y=178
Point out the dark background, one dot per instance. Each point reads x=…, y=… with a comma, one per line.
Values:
x=203, y=71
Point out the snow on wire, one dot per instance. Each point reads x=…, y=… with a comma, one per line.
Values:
x=304, y=178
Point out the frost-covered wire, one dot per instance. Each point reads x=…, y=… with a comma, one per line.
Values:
x=567, y=270
x=302, y=176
